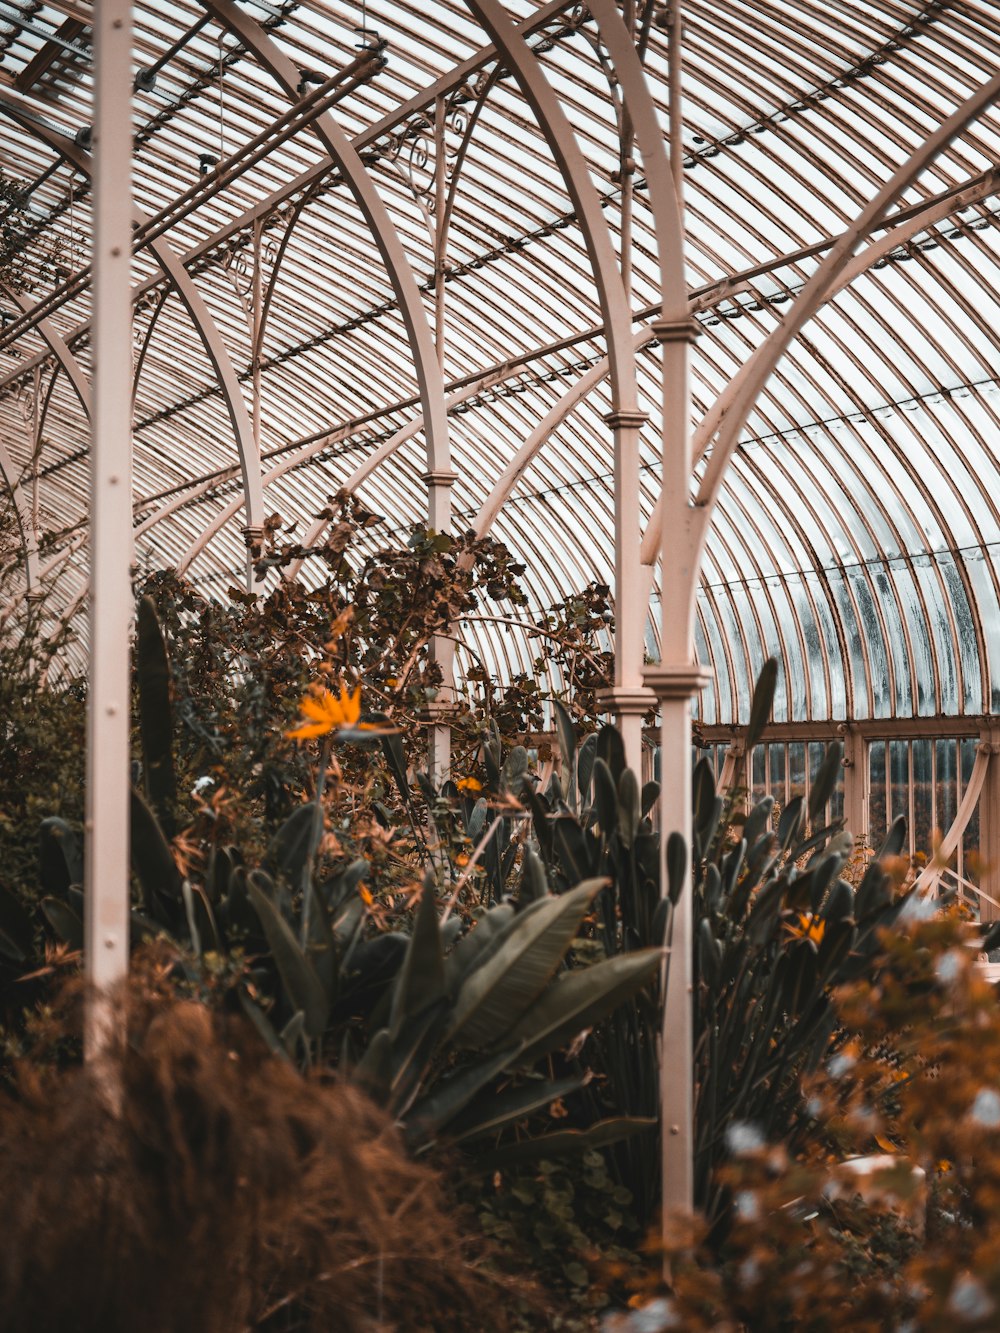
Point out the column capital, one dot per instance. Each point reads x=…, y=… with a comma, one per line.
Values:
x=627, y=699
x=675, y=330
x=35, y=595
x=441, y=477
x=253, y=535
x=626, y=417
x=677, y=682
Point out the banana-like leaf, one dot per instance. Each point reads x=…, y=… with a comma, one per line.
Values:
x=534, y=884
x=477, y=944
x=763, y=702
x=565, y=1141
x=567, y=740
x=291, y=846
x=585, y=766
x=60, y=855
x=263, y=1025
x=491, y=1115
x=64, y=921
x=630, y=811
x=305, y=989
x=757, y=821
x=894, y=840
x=605, y=798
x=611, y=748
x=431, y=1114
x=392, y=748
x=499, y=991
x=579, y=999
x=514, y=769
x=421, y=978
x=153, y=862
x=825, y=782
x=791, y=821
x=373, y=1072
x=577, y=851
x=155, y=714
x=676, y=866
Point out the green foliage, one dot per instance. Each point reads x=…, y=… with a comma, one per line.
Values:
x=577, y=1225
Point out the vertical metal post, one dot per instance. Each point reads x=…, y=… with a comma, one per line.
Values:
x=439, y=710
x=106, y=873
x=675, y=681
x=989, y=827
x=628, y=698
x=855, y=785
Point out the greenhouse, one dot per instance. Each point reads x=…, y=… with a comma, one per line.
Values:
x=500, y=548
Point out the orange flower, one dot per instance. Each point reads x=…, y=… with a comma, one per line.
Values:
x=326, y=713
x=469, y=784
x=809, y=928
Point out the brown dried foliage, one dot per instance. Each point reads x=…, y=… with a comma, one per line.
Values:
x=194, y=1183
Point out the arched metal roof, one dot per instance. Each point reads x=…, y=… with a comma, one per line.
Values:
x=857, y=532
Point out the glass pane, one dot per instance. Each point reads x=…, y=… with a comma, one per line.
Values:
x=922, y=797
x=899, y=780
x=877, y=814
x=776, y=758
x=946, y=784
x=796, y=769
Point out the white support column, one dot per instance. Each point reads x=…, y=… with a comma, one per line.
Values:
x=675, y=687
x=989, y=827
x=674, y=682
x=439, y=710
x=106, y=873
x=855, y=785
x=253, y=538
x=628, y=699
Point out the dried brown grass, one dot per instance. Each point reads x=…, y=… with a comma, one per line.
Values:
x=196, y=1185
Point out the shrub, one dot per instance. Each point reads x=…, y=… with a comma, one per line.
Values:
x=193, y=1182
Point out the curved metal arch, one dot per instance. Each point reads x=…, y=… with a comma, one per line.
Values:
x=726, y=429
x=205, y=327
x=81, y=386
x=343, y=153
x=25, y=521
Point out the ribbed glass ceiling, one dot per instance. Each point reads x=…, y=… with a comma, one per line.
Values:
x=858, y=531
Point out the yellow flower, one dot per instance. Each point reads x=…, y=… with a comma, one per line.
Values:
x=809, y=928
x=326, y=713
x=469, y=784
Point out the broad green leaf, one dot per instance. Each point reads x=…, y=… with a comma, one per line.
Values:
x=567, y=740
x=630, y=811
x=579, y=999
x=432, y=1113
x=152, y=860
x=155, y=714
x=605, y=799
x=565, y=1141
x=421, y=979
x=476, y=944
x=291, y=846
x=825, y=782
x=677, y=859
x=392, y=748
x=495, y=1113
x=60, y=855
x=64, y=921
x=263, y=1025
x=534, y=884
x=499, y=991
x=763, y=702
x=305, y=990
